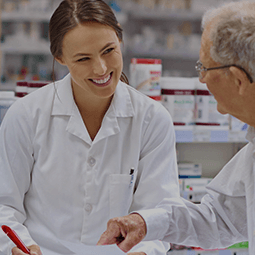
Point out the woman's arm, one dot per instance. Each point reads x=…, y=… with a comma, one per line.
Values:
x=16, y=162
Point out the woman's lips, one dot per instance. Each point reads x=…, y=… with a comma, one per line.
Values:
x=102, y=82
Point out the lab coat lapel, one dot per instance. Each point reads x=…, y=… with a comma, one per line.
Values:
x=64, y=105
x=121, y=107
x=77, y=127
x=63, y=101
x=109, y=125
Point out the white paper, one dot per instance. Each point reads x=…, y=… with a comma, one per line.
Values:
x=82, y=249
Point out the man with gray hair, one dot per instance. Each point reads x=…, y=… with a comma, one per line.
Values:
x=226, y=215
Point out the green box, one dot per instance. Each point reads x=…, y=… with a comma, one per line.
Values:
x=240, y=245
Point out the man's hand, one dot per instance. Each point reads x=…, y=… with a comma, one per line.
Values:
x=126, y=231
x=34, y=250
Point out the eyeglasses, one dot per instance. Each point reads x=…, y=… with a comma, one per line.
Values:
x=201, y=69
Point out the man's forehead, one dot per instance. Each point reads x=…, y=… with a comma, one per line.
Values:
x=206, y=44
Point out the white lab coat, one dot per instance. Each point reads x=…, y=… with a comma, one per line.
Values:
x=226, y=214
x=56, y=183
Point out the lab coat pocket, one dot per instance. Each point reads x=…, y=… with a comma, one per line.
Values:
x=121, y=194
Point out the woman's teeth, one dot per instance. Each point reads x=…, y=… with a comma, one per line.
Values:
x=103, y=80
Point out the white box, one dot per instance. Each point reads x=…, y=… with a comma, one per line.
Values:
x=189, y=170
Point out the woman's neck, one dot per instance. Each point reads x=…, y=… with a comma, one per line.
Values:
x=92, y=110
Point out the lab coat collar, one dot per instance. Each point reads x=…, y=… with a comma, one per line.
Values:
x=250, y=136
x=121, y=107
x=64, y=102
x=121, y=102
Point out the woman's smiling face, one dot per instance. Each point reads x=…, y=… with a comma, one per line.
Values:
x=91, y=51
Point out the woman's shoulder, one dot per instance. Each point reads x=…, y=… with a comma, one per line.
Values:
x=144, y=107
x=142, y=101
x=33, y=103
x=39, y=97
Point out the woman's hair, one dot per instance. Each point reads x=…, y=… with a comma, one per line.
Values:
x=71, y=13
x=232, y=32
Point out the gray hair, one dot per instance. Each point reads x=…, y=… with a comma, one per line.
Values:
x=232, y=33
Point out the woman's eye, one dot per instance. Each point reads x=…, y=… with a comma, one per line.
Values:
x=108, y=50
x=82, y=59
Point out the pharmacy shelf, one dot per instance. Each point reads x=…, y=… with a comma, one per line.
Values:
x=8, y=86
x=35, y=48
x=215, y=136
x=159, y=14
x=165, y=54
x=37, y=16
x=25, y=16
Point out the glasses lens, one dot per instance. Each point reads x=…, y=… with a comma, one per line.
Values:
x=199, y=67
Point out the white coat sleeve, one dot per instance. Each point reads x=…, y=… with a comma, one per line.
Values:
x=157, y=178
x=199, y=225
x=16, y=162
x=219, y=221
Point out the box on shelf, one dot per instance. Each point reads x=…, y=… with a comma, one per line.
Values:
x=194, y=184
x=242, y=245
x=21, y=89
x=145, y=75
x=178, y=97
x=26, y=87
x=189, y=170
x=193, y=189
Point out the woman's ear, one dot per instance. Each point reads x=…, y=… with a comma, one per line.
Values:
x=240, y=79
x=60, y=61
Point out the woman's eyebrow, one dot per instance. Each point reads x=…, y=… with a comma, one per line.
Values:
x=87, y=54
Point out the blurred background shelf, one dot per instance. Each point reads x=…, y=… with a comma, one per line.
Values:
x=212, y=136
x=26, y=16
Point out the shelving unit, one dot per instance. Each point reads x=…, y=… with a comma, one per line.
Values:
x=214, y=136
x=141, y=13
x=24, y=42
x=25, y=16
x=175, y=38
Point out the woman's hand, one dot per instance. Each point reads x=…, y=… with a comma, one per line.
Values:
x=34, y=250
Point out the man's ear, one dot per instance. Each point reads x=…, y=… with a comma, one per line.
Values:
x=241, y=80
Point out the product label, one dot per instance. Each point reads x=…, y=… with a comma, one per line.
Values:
x=145, y=75
x=180, y=104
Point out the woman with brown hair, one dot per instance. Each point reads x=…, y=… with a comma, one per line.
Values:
x=86, y=148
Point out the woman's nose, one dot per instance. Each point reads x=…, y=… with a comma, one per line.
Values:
x=100, y=67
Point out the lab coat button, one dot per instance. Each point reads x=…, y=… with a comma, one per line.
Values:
x=88, y=207
x=92, y=161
